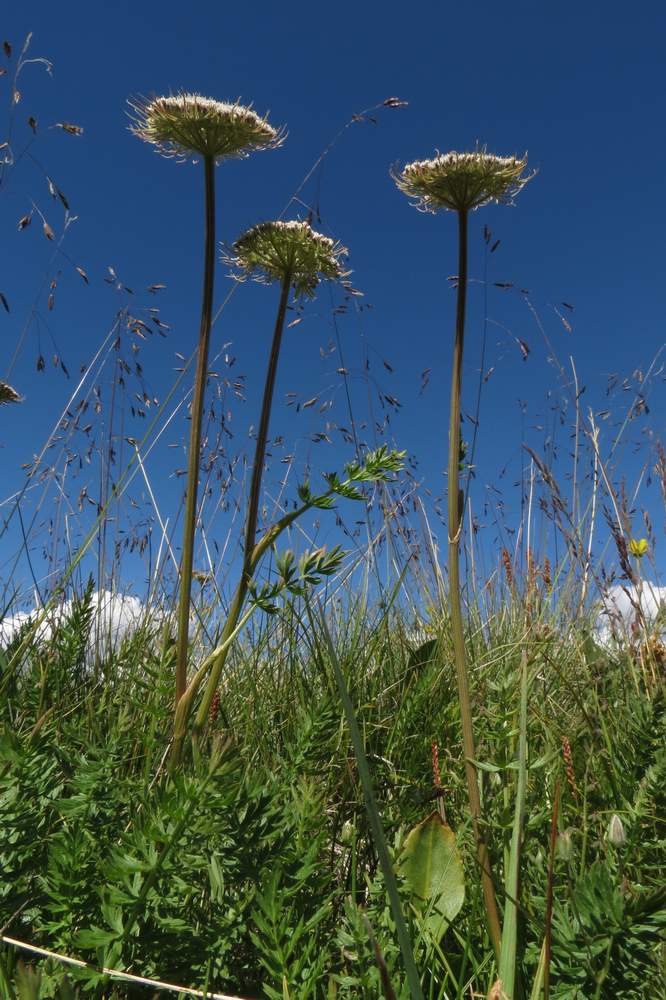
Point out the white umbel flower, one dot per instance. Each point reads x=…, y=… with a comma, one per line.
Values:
x=277, y=251
x=462, y=182
x=184, y=124
x=8, y=394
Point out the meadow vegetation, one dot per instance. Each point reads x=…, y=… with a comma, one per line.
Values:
x=317, y=773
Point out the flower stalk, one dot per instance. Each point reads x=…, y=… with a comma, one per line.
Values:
x=461, y=183
x=292, y=254
x=262, y=433
x=377, y=467
x=200, y=379
x=455, y=513
x=179, y=126
x=249, y=553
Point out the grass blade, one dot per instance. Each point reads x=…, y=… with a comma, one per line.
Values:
x=372, y=809
x=507, y=967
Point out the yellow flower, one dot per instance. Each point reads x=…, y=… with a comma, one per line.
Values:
x=638, y=547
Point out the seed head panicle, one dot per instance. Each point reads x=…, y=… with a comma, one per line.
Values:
x=181, y=125
x=275, y=251
x=462, y=182
x=569, y=766
x=508, y=567
x=214, y=707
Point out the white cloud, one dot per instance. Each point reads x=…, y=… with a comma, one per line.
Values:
x=619, y=609
x=114, y=616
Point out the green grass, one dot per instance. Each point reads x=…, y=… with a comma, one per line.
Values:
x=256, y=870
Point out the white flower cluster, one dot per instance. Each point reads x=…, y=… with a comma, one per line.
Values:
x=292, y=250
x=462, y=182
x=184, y=124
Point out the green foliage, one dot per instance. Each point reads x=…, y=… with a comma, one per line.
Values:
x=433, y=871
x=32, y=984
x=71, y=638
x=605, y=941
x=255, y=870
x=297, y=897
x=295, y=578
x=361, y=976
x=377, y=466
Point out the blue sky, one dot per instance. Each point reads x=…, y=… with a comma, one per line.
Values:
x=580, y=87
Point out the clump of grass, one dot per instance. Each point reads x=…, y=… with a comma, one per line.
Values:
x=259, y=866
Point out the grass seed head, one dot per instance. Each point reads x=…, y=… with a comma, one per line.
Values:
x=616, y=834
x=462, y=182
x=508, y=567
x=182, y=124
x=275, y=251
x=569, y=765
x=564, y=845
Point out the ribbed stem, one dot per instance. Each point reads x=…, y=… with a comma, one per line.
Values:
x=253, y=506
x=262, y=433
x=198, y=396
x=455, y=502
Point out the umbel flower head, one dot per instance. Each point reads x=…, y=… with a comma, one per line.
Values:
x=8, y=394
x=277, y=251
x=461, y=182
x=183, y=124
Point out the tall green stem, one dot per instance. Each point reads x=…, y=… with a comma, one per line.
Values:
x=262, y=433
x=252, y=518
x=455, y=513
x=234, y=624
x=189, y=525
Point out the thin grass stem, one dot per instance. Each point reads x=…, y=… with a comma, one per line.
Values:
x=372, y=809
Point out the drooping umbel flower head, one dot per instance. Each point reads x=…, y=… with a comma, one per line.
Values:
x=275, y=251
x=184, y=124
x=8, y=394
x=461, y=182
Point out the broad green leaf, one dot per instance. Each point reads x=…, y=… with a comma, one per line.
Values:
x=95, y=937
x=433, y=869
x=28, y=982
x=216, y=879
x=423, y=654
